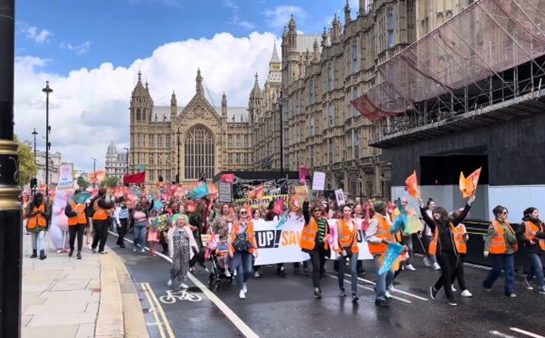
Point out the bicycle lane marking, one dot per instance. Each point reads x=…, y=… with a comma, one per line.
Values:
x=153, y=311
x=230, y=314
x=161, y=311
x=172, y=296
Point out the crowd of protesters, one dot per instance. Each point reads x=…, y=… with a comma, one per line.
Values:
x=177, y=227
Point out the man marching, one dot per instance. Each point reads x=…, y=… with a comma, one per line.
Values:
x=101, y=220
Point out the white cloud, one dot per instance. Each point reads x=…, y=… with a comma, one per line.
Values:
x=36, y=34
x=235, y=19
x=279, y=16
x=78, y=49
x=89, y=107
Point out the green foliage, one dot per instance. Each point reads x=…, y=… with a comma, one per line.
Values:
x=82, y=183
x=27, y=166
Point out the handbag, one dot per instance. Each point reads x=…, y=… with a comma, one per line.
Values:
x=348, y=250
x=241, y=242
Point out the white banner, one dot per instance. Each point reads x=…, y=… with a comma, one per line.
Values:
x=66, y=180
x=278, y=241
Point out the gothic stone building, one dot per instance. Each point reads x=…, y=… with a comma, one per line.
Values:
x=186, y=142
x=116, y=162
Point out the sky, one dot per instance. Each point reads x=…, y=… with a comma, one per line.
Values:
x=91, y=52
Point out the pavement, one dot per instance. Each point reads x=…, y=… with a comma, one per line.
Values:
x=284, y=307
x=66, y=297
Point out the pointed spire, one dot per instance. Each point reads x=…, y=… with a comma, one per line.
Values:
x=256, y=91
x=275, y=57
x=173, y=101
x=292, y=25
x=324, y=37
x=139, y=76
x=347, y=17
x=316, y=50
x=199, y=87
x=224, y=100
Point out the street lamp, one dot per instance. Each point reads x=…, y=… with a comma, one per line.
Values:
x=178, y=161
x=47, y=90
x=94, y=172
x=33, y=182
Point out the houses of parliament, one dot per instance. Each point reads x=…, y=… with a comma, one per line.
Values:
x=304, y=105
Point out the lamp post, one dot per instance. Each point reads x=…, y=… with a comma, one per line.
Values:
x=94, y=172
x=178, y=161
x=34, y=133
x=47, y=90
x=10, y=204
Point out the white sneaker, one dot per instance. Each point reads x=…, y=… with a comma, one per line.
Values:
x=466, y=293
x=436, y=267
x=410, y=267
x=392, y=288
x=527, y=284
x=227, y=273
x=387, y=294
x=169, y=283
x=452, y=288
x=426, y=261
x=245, y=288
x=256, y=274
x=183, y=286
x=241, y=294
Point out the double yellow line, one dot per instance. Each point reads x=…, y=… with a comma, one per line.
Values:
x=157, y=311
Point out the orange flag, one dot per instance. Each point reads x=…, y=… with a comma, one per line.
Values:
x=412, y=185
x=468, y=185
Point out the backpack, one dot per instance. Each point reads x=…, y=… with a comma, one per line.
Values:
x=241, y=242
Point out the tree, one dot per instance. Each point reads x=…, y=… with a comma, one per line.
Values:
x=27, y=165
x=82, y=183
x=109, y=181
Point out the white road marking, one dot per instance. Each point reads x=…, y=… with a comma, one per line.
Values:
x=232, y=316
x=529, y=334
x=499, y=334
x=371, y=289
x=152, y=310
x=396, y=290
x=161, y=312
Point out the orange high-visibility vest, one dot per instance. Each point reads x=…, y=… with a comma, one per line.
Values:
x=383, y=232
x=80, y=218
x=100, y=213
x=530, y=234
x=459, y=234
x=308, y=235
x=38, y=219
x=347, y=237
x=251, y=236
x=432, y=249
x=498, y=243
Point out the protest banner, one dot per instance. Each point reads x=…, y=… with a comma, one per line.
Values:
x=339, y=195
x=260, y=202
x=318, y=181
x=225, y=192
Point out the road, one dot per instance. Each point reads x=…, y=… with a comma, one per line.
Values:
x=284, y=306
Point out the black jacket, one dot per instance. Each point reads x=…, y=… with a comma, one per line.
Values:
x=446, y=241
x=521, y=235
x=71, y=213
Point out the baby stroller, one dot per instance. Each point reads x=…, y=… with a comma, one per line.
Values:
x=216, y=253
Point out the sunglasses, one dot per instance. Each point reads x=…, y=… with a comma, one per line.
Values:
x=243, y=213
x=505, y=212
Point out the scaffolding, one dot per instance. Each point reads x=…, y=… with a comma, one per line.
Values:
x=490, y=53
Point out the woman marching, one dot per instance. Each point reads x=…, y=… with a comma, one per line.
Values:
x=38, y=213
x=242, y=246
x=531, y=232
x=314, y=241
x=347, y=233
x=443, y=246
x=184, y=247
x=501, y=244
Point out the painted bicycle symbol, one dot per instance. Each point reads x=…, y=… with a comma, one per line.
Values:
x=172, y=296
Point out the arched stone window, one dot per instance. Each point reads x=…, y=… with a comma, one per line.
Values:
x=199, y=153
x=138, y=117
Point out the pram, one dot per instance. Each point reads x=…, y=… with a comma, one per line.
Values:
x=216, y=253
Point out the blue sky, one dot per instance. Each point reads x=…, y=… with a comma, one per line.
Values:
x=91, y=51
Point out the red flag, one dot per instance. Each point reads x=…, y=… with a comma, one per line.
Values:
x=412, y=185
x=135, y=178
x=228, y=178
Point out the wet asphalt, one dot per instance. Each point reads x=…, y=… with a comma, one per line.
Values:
x=284, y=306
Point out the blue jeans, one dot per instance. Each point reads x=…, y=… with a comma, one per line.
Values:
x=353, y=272
x=139, y=235
x=498, y=262
x=243, y=263
x=38, y=240
x=536, y=270
x=384, y=280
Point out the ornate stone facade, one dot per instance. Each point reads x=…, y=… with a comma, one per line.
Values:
x=187, y=143
x=116, y=162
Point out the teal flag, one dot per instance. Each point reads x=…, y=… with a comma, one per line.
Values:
x=82, y=197
x=394, y=250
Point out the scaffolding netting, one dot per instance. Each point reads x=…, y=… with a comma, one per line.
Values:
x=488, y=37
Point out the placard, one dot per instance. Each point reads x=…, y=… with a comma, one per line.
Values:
x=225, y=192
x=318, y=181
x=66, y=180
x=339, y=195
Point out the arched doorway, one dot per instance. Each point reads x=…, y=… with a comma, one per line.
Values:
x=199, y=153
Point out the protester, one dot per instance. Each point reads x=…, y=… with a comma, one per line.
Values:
x=314, y=241
x=102, y=211
x=153, y=232
x=347, y=233
x=531, y=233
x=429, y=260
x=121, y=216
x=501, y=245
x=460, y=240
x=140, y=221
x=359, y=218
x=38, y=213
x=443, y=246
x=77, y=221
x=184, y=247
x=243, y=247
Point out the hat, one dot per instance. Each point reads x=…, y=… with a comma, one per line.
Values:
x=380, y=207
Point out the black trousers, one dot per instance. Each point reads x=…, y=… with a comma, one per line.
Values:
x=317, y=258
x=76, y=230
x=459, y=273
x=122, y=231
x=101, y=234
x=448, y=263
